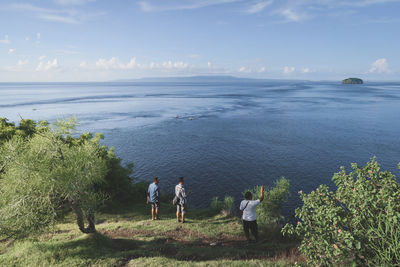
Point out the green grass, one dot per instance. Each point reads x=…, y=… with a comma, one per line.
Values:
x=129, y=238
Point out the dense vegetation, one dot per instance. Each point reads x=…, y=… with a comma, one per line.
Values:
x=45, y=171
x=358, y=223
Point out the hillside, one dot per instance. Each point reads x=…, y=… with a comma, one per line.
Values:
x=131, y=239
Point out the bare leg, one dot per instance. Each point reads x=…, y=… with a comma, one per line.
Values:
x=183, y=217
x=152, y=214
x=157, y=213
x=177, y=216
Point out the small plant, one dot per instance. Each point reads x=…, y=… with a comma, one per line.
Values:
x=216, y=204
x=359, y=223
x=225, y=206
x=227, y=209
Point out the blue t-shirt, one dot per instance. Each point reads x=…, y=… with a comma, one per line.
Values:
x=153, y=192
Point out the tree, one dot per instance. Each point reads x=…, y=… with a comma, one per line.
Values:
x=43, y=172
x=359, y=222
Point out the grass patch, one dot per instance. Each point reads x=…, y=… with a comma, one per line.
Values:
x=130, y=238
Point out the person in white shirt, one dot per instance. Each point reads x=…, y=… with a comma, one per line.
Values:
x=249, y=214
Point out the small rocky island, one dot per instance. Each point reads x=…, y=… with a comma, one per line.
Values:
x=352, y=81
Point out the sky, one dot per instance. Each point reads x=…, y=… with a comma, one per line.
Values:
x=101, y=40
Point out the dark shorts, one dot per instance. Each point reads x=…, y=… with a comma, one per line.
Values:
x=181, y=208
x=155, y=205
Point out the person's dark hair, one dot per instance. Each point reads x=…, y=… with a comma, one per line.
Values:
x=248, y=195
x=181, y=179
x=155, y=179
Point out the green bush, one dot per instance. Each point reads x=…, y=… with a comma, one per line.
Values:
x=46, y=170
x=358, y=223
x=269, y=211
x=117, y=184
x=42, y=174
x=226, y=207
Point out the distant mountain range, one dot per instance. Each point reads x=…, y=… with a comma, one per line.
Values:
x=190, y=79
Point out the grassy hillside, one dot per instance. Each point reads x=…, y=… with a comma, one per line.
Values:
x=130, y=238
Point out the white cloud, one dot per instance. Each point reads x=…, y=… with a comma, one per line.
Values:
x=131, y=63
x=244, y=70
x=22, y=62
x=305, y=70
x=144, y=6
x=58, y=18
x=288, y=70
x=115, y=64
x=72, y=2
x=42, y=57
x=63, y=15
x=173, y=65
x=380, y=66
x=262, y=69
x=209, y=65
x=258, y=7
x=83, y=65
x=27, y=38
x=290, y=15
x=187, y=5
x=38, y=36
x=299, y=10
x=365, y=3
x=5, y=40
x=50, y=65
x=11, y=50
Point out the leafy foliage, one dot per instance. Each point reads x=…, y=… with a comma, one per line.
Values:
x=45, y=169
x=268, y=212
x=225, y=206
x=358, y=223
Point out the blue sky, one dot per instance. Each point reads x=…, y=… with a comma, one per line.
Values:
x=98, y=40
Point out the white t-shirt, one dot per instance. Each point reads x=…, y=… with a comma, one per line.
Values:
x=249, y=213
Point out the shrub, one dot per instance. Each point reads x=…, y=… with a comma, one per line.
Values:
x=44, y=173
x=46, y=170
x=225, y=206
x=117, y=184
x=358, y=223
x=268, y=212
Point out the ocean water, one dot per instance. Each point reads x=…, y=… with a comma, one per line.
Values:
x=225, y=137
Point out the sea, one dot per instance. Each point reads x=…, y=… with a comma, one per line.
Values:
x=226, y=136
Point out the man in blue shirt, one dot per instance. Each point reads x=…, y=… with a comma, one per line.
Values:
x=153, y=194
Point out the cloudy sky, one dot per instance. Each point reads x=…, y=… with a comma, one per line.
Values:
x=98, y=40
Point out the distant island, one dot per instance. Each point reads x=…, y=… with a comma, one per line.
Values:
x=202, y=79
x=352, y=81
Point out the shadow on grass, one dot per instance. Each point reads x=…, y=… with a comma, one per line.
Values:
x=97, y=247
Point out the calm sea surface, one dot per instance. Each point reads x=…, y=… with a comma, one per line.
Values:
x=225, y=137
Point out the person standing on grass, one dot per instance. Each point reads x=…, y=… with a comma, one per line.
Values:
x=249, y=214
x=180, y=193
x=153, y=194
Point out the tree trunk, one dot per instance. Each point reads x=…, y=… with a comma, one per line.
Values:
x=80, y=220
